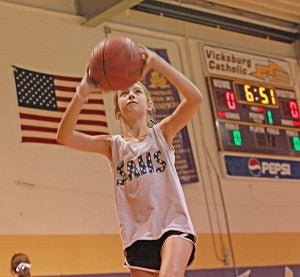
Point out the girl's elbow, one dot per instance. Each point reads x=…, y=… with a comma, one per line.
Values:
x=198, y=99
x=60, y=138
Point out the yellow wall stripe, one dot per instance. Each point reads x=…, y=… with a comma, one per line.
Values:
x=89, y=254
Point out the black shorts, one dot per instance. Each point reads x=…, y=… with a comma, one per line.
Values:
x=145, y=254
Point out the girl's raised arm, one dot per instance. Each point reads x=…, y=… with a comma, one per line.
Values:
x=189, y=105
x=66, y=134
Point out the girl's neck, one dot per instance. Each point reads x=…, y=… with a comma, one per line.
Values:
x=136, y=134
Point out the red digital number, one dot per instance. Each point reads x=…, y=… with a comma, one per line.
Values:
x=230, y=100
x=293, y=109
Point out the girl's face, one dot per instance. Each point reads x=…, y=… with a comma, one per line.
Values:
x=135, y=99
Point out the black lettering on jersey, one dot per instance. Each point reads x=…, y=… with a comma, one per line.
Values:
x=132, y=170
x=141, y=166
x=160, y=161
x=122, y=173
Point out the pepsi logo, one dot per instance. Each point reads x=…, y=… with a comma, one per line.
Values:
x=254, y=167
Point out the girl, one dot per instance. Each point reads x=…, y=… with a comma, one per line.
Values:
x=20, y=265
x=156, y=230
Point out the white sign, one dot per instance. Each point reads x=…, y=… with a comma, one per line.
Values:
x=225, y=62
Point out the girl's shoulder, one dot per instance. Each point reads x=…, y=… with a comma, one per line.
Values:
x=104, y=138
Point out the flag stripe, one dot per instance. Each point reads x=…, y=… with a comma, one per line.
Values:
x=41, y=115
x=90, y=101
x=81, y=126
x=92, y=112
x=91, y=122
x=43, y=99
x=69, y=79
x=65, y=88
x=91, y=109
x=40, y=134
x=38, y=140
x=38, y=128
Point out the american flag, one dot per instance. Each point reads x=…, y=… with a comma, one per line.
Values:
x=42, y=100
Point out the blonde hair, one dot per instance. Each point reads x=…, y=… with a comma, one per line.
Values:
x=150, y=119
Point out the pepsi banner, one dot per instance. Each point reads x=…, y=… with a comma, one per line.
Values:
x=261, y=167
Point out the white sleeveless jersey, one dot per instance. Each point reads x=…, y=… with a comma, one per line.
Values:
x=148, y=193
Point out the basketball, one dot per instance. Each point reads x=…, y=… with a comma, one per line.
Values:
x=116, y=63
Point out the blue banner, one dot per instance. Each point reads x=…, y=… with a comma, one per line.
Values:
x=166, y=98
x=261, y=167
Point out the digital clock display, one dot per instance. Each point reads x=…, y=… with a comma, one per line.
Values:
x=255, y=118
x=257, y=95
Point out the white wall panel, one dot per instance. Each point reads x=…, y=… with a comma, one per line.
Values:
x=52, y=189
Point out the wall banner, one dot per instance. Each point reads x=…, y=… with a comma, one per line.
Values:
x=261, y=167
x=166, y=98
x=225, y=62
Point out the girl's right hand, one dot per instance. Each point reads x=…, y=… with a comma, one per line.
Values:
x=87, y=86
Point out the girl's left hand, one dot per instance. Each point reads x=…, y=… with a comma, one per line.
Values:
x=149, y=58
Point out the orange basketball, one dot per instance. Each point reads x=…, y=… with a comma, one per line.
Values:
x=116, y=63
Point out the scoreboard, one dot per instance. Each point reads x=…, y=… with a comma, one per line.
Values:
x=255, y=118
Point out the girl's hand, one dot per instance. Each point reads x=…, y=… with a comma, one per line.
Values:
x=87, y=86
x=149, y=60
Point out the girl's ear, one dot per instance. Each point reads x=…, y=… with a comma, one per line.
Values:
x=117, y=115
x=150, y=107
